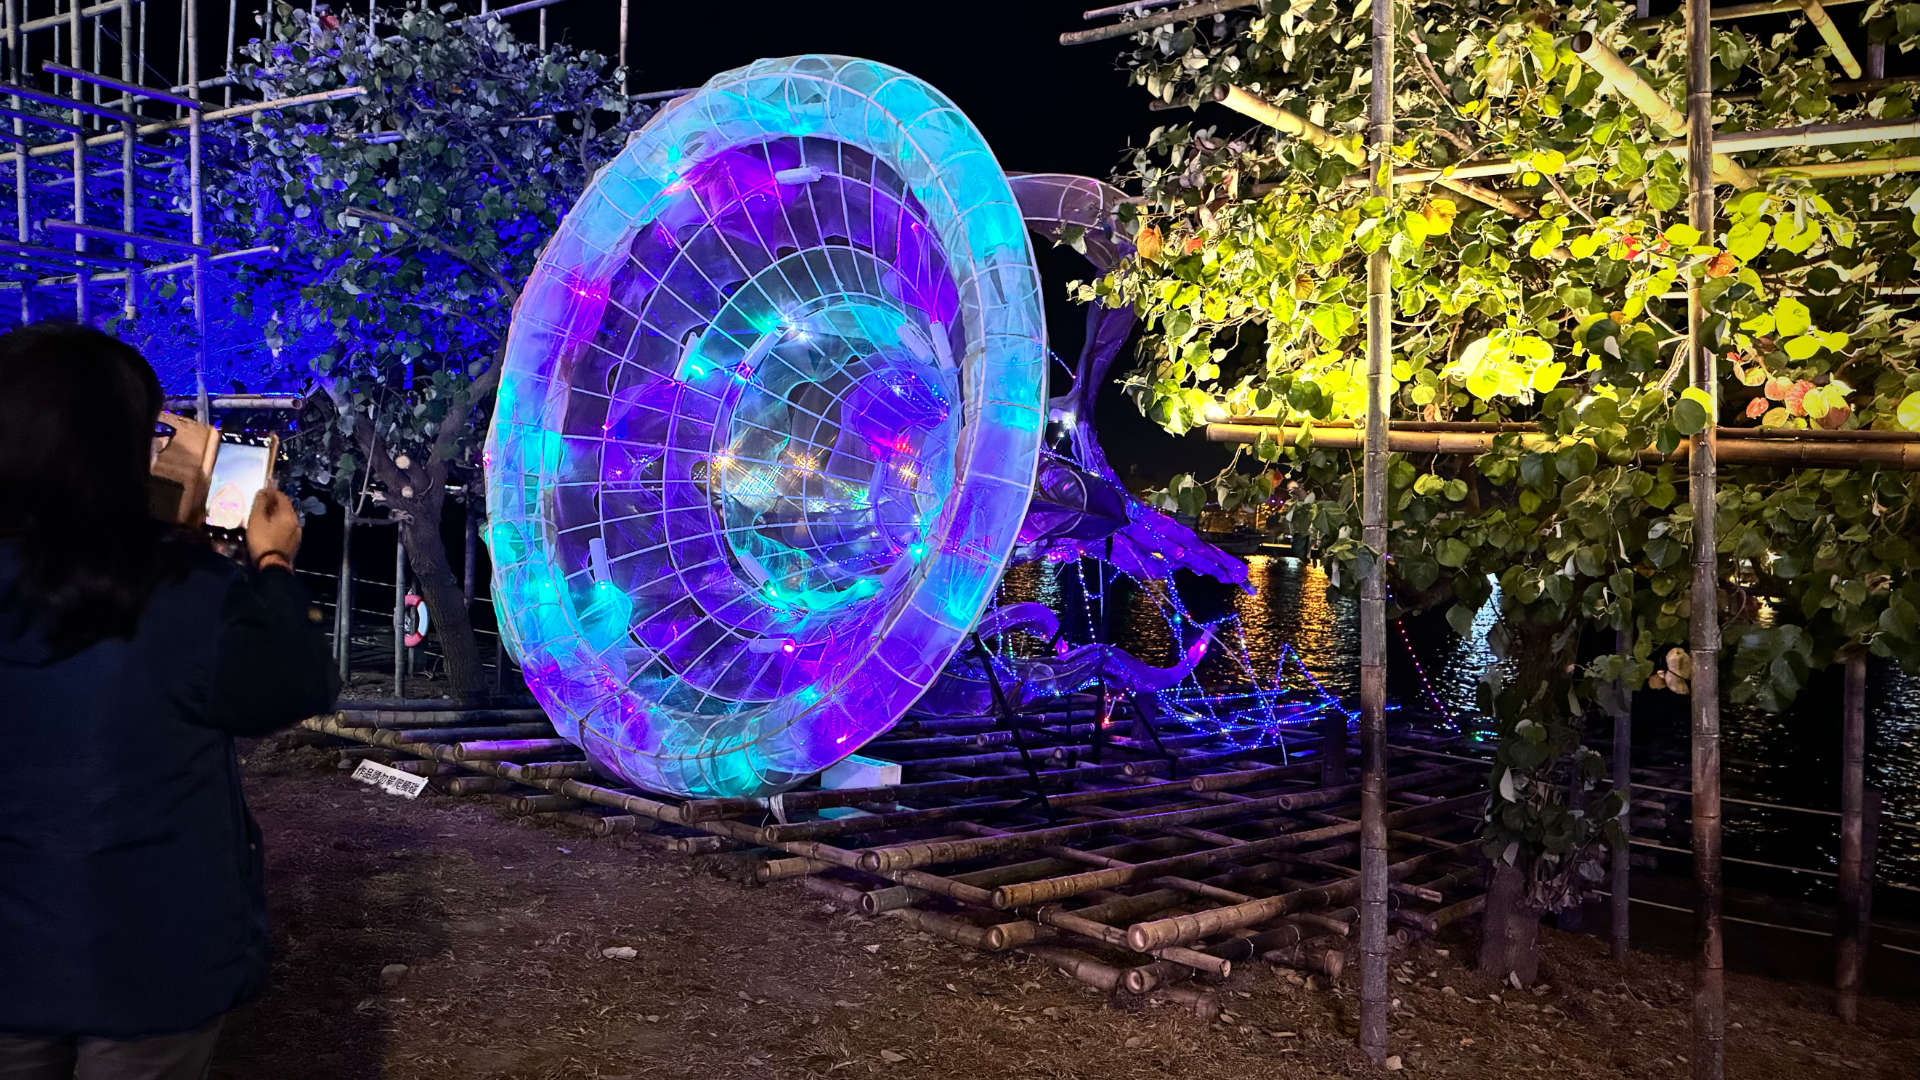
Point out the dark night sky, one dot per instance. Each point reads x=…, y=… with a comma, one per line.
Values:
x=1043, y=107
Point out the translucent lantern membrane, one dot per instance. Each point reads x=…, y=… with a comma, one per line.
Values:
x=767, y=428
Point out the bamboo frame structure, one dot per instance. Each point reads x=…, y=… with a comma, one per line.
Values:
x=1148, y=22
x=1708, y=160
x=93, y=123
x=1144, y=886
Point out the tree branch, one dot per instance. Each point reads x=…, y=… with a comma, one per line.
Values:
x=426, y=240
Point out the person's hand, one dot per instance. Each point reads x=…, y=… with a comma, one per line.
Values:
x=273, y=530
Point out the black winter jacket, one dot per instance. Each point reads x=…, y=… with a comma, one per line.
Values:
x=131, y=899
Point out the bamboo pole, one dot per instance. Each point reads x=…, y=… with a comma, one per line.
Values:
x=80, y=305
x=1851, y=449
x=592, y=793
x=175, y=125
x=1431, y=923
x=1709, y=983
x=1321, y=139
x=343, y=602
x=1623, y=80
x=399, y=616
x=1127, y=29
x=1849, y=929
x=1805, y=136
x=1180, y=929
x=1826, y=170
x=1136, y=7
x=1830, y=33
x=1116, y=937
x=1623, y=785
x=1373, y=585
x=504, y=749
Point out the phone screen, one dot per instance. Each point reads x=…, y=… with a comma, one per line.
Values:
x=239, y=472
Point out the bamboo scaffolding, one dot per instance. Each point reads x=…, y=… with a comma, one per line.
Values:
x=1709, y=989
x=1813, y=451
x=649, y=808
x=1626, y=82
x=159, y=126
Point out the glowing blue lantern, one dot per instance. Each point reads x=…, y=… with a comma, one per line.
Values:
x=768, y=426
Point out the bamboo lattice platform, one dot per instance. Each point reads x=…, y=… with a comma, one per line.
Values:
x=1148, y=863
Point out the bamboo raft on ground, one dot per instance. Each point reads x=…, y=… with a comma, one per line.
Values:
x=1149, y=867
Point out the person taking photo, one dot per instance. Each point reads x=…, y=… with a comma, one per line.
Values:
x=132, y=906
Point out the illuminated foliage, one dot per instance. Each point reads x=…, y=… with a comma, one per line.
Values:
x=1571, y=316
x=411, y=214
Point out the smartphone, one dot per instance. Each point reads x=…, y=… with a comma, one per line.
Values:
x=243, y=467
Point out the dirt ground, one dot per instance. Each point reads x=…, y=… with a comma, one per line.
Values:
x=501, y=925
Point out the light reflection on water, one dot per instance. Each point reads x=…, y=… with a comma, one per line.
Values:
x=1792, y=759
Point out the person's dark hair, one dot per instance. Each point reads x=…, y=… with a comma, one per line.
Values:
x=77, y=414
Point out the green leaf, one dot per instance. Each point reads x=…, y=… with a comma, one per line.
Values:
x=1747, y=239
x=1791, y=317
x=1452, y=552
x=1682, y=234
x=1802, y=347
x=1689, y=416
x=1460, y=618
x=1907, y=413
x=1576, y=461
x=1547, y=376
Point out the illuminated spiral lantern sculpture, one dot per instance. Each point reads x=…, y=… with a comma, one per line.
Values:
x=767, y=427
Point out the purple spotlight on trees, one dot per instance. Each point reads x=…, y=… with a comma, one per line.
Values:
x=767, y=427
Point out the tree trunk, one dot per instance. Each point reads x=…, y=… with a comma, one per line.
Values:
x=446, y=603
x=1509, y=942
